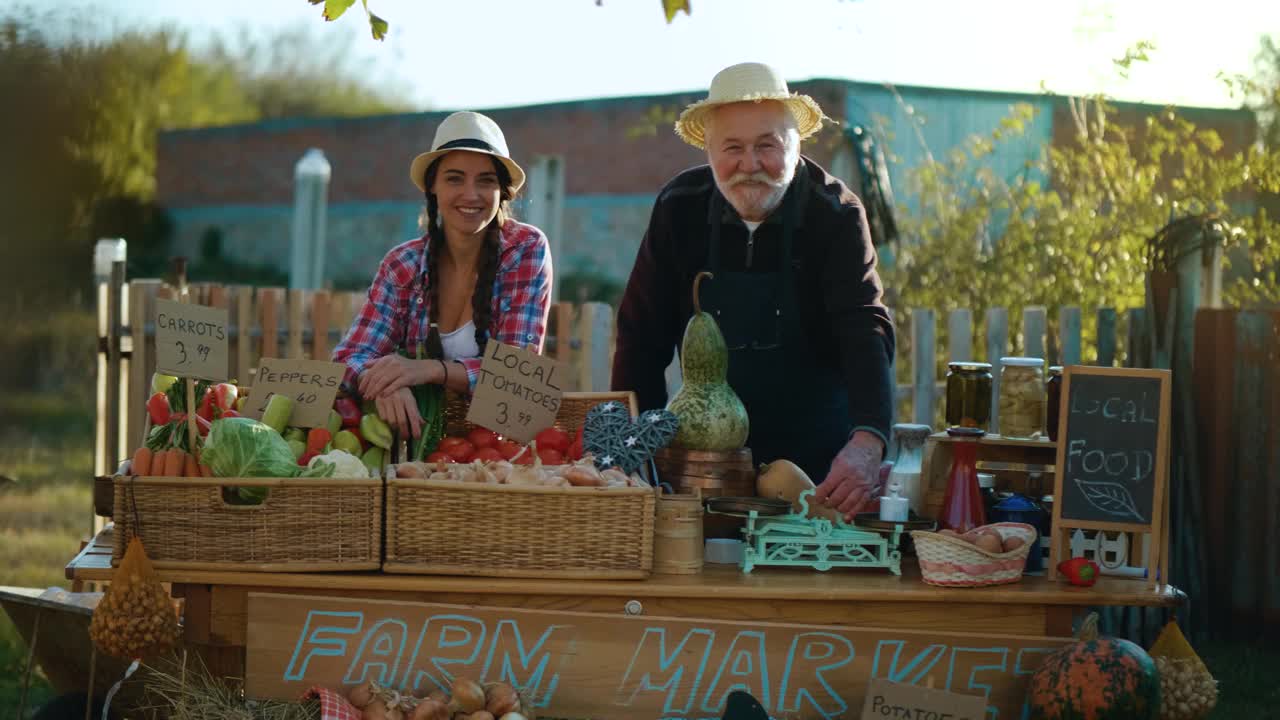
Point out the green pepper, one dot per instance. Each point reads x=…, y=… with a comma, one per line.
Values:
x=375, y=431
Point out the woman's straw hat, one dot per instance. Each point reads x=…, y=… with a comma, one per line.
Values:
x=748, y=82
x=469, y=131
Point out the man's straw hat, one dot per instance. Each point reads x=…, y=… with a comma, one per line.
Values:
x=469, y=131
x=748, y=82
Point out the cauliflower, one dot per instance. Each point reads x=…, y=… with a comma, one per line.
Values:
x=345, y=465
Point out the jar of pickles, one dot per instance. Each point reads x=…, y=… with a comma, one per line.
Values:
x=1053, y=404
x=968, y=394
x=1022, y=397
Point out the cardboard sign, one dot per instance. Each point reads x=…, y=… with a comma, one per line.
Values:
x=1113, y=446
x=191, y=340
x=887, y=700
x=518, y=392
x=312, y=384
x=598, y=665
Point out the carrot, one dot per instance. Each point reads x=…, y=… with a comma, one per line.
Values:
x=189, y=466
x=173, y=463
x=205, y=471
x=142, y=461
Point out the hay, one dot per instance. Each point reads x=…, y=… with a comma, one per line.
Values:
x=181, y=687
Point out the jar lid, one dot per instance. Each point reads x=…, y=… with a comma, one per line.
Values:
x=986, y=480
x=966, y=432
x=1047, y=498
x=966, y=365
x=1022, y=361
x=1055, y=369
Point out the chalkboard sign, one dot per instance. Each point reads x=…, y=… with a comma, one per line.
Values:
x=1113, y=443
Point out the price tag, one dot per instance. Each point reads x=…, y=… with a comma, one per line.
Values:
x=311, y=384
x=887, y=700
x=191, y=340
x=518, y=392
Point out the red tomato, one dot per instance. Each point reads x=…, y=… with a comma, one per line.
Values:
x=553, y=438
x=482, y=438
x=575, y=450
x=438, y=456
x=550, y=456
x=508, y=449
x=488, y=454
x=525, y=458
x=460, y=451
x=450, y=441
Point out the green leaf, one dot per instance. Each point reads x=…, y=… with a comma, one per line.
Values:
x=671, y=7
x=378, y=26
x=333, y=9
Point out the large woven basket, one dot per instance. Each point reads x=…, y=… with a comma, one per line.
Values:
x=304, y=525
x=445, y=527
x=952, y=562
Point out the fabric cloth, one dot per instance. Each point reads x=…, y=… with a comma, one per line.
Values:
x=839, y=295
x=396, y=313
x=461, y=343
x=333, y=706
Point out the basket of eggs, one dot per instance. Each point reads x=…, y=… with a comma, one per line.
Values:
x=988, y=555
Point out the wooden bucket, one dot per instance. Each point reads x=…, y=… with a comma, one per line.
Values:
x=677, y=534
x=713, y=474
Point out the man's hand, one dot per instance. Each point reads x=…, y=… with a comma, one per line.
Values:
x=854, y=481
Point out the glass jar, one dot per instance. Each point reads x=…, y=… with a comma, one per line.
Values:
x=987, y=486
x=1022, y=396
x=908, y=463
x=1053, y=403
x=969, y=394
x=962, y=508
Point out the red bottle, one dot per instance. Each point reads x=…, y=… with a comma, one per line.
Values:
x=962, y=508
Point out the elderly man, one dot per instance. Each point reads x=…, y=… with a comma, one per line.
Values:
x=794, y=287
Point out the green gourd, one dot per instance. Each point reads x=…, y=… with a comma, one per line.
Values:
x=711, y=415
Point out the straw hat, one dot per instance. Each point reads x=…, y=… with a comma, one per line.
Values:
x=748, y=82
x=466, y=131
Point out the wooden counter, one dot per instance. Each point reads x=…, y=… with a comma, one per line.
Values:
x=218, y=617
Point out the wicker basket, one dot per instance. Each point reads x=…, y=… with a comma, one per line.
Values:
x=952, y=562
x=454, y=528
x=304, y=525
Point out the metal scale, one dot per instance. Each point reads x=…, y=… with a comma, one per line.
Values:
x=775, y=536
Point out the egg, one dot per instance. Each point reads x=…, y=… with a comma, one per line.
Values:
x=1013, y=542
x=989, y=543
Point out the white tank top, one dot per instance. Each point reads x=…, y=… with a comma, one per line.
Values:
x=460, y=343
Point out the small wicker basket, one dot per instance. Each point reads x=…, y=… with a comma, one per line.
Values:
x=304, y=524
x=953, y=562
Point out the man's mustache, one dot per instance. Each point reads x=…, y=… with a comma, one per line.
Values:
x=757, y=177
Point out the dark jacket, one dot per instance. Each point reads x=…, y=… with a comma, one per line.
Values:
x=839, y=291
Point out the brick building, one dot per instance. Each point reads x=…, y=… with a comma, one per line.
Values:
x=595, y=167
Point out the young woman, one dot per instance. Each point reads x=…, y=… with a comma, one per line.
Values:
x=475, y=275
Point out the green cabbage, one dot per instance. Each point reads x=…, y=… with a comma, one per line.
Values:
x=241, y=447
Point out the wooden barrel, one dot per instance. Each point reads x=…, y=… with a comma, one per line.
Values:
x=713, y=474
x=677, y=535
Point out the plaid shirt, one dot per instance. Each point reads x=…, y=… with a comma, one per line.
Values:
x=395, y=315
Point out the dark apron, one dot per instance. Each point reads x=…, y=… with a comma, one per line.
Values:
x=798, y=410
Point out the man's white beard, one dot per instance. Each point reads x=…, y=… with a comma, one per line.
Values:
x=757, y=206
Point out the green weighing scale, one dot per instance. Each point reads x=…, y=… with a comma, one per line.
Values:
x=776, y=536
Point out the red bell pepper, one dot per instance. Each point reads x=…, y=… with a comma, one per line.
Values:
x=317, y=439
x=1079, y=571
x=158, y=409
x=349, y=411
x=217, y=400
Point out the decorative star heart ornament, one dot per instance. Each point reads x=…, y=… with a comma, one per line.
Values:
x=614, y=439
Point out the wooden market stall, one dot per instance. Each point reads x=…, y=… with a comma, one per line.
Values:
x=806, y=641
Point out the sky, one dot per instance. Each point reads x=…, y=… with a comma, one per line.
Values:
x=460, y=54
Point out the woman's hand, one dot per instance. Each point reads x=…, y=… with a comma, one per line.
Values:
x=389, y=373
x=401, y=412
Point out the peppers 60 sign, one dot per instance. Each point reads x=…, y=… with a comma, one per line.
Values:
x=191, y=340
x=517, y=393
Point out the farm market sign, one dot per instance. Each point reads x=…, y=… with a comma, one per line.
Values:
x=606, y=666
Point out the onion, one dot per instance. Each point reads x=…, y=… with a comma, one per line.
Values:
x=430, y=709
x=500, y=699
x=377, y=709
x=439, y=695
x=480, y=715
x=362, y=694
x=468, y=696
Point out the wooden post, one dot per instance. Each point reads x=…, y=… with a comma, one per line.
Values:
x=1138, y=350
x=296, y=306
x=1034, y=321
x=997, y=343
x=142, y=296
x=960, y=335
x=922, y=365
x=243, y=336
x=1106, y=337
x=268, y=304
x=596, y=332
x=1069, y=336
x=320, y=318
